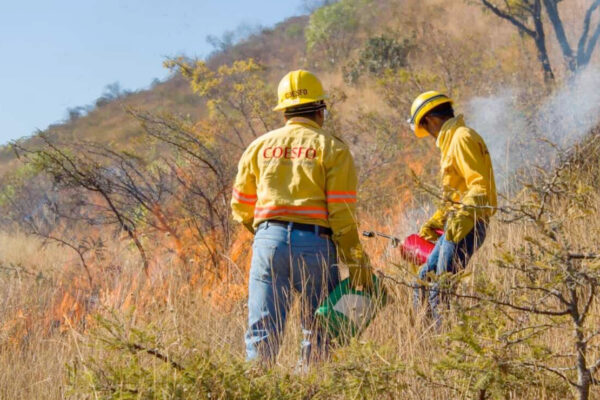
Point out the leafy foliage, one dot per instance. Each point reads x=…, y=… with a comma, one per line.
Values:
x=381, y=53
x=332, y=30
x=237, y=96
x=138, y=364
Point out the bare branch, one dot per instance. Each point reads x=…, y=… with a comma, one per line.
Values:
x=155, y=353
x=555, y=371
x=585, y=47
x=559, y=30
x=586, y=309
x=594, y=367
x=504, y=15
x=446, y=291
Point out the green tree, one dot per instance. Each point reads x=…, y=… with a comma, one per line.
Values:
x=380, y=53
x=332, y=30
x=238, y=98
x=149, y=362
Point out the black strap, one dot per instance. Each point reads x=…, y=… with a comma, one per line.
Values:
x=321, y=230
x=305, y=109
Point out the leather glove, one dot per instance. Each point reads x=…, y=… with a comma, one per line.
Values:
x=429, y=228
x=462, y=222
x=361, y=273
x=429, y=233
x=459, y=226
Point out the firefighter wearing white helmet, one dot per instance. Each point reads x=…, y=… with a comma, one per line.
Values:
x=468, y=187
x=295, y=189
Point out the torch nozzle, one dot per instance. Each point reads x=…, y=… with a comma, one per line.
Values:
x=371, y=234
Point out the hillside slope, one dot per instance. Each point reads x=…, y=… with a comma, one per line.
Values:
x=109, y=122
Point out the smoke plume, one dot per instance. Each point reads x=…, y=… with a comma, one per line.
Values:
x=516, y=139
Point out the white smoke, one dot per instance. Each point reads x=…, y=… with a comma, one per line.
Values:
x=572, y=111
x=516, y=140
x=498, y=120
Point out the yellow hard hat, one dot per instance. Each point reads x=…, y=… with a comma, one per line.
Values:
x=297, y=88
x=421, y=106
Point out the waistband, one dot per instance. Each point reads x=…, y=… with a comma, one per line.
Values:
x=318, y=230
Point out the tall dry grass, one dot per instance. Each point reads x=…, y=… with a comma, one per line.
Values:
x=37, y=357
x=32, y=362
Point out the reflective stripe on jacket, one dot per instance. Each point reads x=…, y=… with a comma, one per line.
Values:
x=299, y=173
x=466, y=170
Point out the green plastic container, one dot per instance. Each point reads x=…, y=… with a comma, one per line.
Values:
x=347, y=312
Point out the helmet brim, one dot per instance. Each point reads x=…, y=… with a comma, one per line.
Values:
x=420, y=132
x=294, y=103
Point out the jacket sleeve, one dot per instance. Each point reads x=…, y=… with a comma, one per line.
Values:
x=243, y=198
x=341, y=205
x=436, y=222
x=472, y=162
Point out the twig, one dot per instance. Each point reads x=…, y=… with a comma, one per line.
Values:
x=156, y=353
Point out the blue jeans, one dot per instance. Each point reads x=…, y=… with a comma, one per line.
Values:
x=286, y=260
x=446, y=257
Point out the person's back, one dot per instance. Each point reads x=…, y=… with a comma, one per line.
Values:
x=290, y=167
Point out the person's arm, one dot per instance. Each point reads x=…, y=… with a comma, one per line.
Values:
x=429, y=230
x=243, y=198
x=472, y=162
x=437, y=222
x=341, y=205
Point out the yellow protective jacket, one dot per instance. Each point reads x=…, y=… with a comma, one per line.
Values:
x=466, y=172
x=299, y=173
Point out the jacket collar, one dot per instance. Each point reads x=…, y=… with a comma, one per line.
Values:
x=302, y=121
x=448, y=129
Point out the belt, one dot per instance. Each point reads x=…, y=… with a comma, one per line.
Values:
x=319, y=230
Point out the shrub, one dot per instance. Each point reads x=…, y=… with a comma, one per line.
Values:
x=332, y=30
x=381, y=53
x=131, y=363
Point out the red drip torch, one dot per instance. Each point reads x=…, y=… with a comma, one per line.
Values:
x=413, y=249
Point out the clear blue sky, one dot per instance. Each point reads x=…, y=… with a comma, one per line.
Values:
x=61, y=54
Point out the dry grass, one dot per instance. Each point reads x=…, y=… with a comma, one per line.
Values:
x=185, y=320
x=33, y=362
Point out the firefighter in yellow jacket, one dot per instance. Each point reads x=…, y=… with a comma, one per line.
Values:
x=468, y=188
x=296, y=190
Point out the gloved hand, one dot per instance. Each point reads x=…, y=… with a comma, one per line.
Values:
x=429, y=233
x=351, y=253
x=250, y=226
x=462, y=222
x=361, y=276
x=459, y=225
x=361, y=273
x=429, y=228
